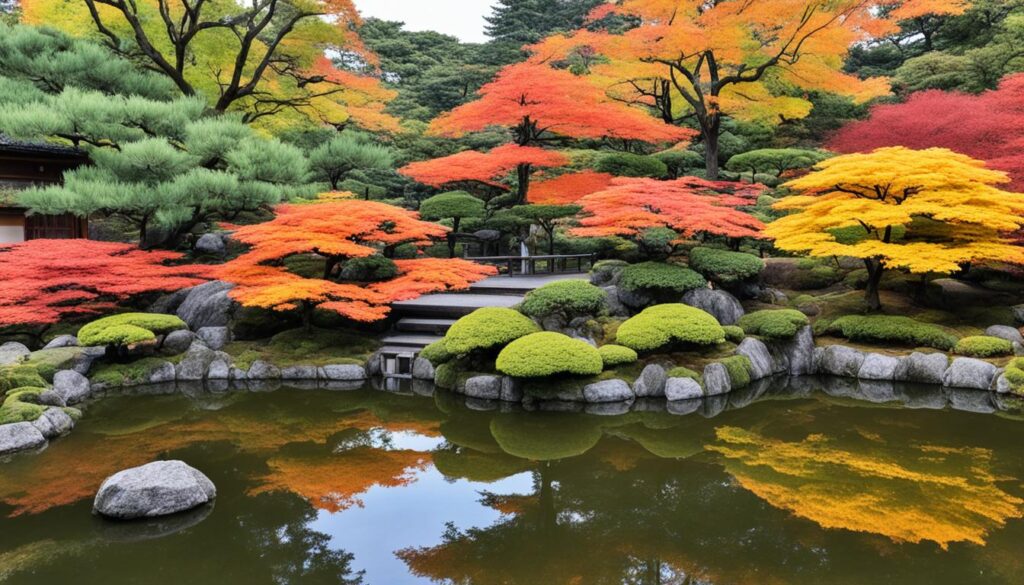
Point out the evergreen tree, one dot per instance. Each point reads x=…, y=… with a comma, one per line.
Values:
x=514, y=23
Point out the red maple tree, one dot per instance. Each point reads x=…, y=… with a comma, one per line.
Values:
x=339, y=230
x=481, y=167
x=985, y=126
x=688, y=206
x=568, y=188
x=539, y=105
x=45, y=281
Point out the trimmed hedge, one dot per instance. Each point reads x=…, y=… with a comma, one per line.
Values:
x=773, y=323
x=486, y=328
x=436, y=353
x=734, y=333
x=662, y=325
x=127, y=328
x=660, y=276
x=724, y=266
x=572, y=298
x=616, y=355
x=548, y=354
x=892, y=329
x=983, y=346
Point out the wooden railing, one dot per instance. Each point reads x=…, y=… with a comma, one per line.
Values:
x=529, y=265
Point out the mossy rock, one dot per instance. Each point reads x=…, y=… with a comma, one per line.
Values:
x=50, y=361
x=20, y=405
x=19, y=376
x=548, y=354
x=127, y=374
x=684, y=372
x=739, y=368
x=773, y=323
x=663, y=325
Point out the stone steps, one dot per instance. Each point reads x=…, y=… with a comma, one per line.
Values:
x=423, y=325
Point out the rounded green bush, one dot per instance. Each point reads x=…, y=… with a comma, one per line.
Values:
x=625, y=164
x=660, y=276
x=127, y=328
x=892, y=329
x=572, y=298
x=369, y=269
x=661, y=325
x=615, y=355
x=1014, y=373
x=450, y=205
x=436, y=353
x=773, y=323
x=983, y=346
x=548, y=354
x=487, y=327
x=734, y=333
x=725, y=267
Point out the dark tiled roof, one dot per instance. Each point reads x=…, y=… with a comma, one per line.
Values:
x=12, y=146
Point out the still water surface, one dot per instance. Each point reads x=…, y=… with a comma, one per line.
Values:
x=378, y=488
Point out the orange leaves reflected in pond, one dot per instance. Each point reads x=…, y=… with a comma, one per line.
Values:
x=908, y=493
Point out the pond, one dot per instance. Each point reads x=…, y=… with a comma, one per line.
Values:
x=791, y=485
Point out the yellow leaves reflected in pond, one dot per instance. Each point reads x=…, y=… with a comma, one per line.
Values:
x=908, y=493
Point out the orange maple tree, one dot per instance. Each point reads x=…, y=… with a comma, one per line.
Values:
x=688, y=206
x=339, y=230
x=481, y=167
x=568, y=188
x=44, y=281
x=539, y=105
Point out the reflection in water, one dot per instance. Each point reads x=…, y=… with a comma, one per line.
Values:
x=780, y=484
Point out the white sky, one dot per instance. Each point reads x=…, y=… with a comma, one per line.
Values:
x=460, y=18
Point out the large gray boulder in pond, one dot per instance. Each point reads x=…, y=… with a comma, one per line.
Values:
x=720, y=304
x=12, y=352
x=155, y=489
x=970, y=373
x=485, y=387
x=1011, y=334
x=650, y=382
x=839, y=360
x=682, y=389
x=54, y=422
x=761, y=363
x=716, y=380
x=924, y=368
x=342, y=373
x=613, y=390
x=71, y=386
x=20, y=437
x=207, y=305
x=878, y=367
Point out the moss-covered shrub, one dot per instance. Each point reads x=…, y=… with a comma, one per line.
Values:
x=369, y=269
x=892, y=329
x=734, y=333
x=983, y=346
x=660, y=277
x=661, y=325
x=436, y=353
x=725, y=267
x=486, y=328
x=684, y=372
x=20, y=376
x=446, y=375
x=127, y=329
x=570, y=298
x=1014, y=373
x=548, y=354
x=20, y=406
x=738, y=367
x=625, y=164
x=773, y=323
x=615, y=355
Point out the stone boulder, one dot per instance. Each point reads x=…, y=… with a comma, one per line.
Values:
x=298, y=373
x=207, y=305
x=716, y=380
x=1018, y=314
x=637, y=299
x=761, y=362
x=177, y=342
x=54, y=422
x=970, y=373
x=722, y=305
x=484, y=387
x=261, y=370
x=839, y=360
x=607, y=273
x=650, y=382
x=682, y=389
x=422, y=369
x=1011, y=334
x=795, y=355
x=62, y=341
x=155, y=489
x=164, y=372
x=196, y=362
x=214, y=337
x=955, y=294
x=924, y=368
x=12, y=352
x=71, y=386
x=615, y=307
x=511, y=389
x=218, y=370
x=20, y=436
x=613, y=390
x=342, y=373
x=878, y=367
x=212, y=244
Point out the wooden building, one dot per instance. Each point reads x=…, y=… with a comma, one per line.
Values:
x=24, y=165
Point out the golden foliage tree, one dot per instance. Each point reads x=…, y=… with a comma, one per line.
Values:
x=923, y=211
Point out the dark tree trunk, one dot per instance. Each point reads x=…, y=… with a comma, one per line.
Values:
x=452, y=235
x=523, y=176
x=875, y=270
x=307, y=316
x=710, y=128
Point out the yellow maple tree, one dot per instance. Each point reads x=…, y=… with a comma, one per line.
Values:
x=924, y=211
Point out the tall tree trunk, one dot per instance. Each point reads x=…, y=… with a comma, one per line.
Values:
x=307, y=316
x=710, y=128
x=452, y=235
x=875, y=270
x=523, y=176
